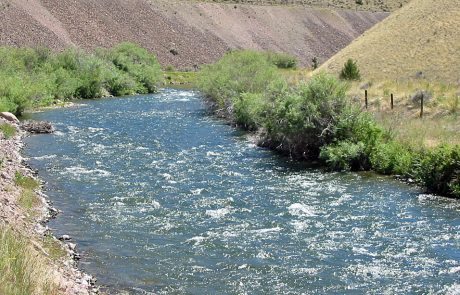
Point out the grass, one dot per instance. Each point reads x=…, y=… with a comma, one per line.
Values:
x=23, y=270
x=420, y=37
x=441, y=113
x=7, y=130
x=26, y=182
x=186, y=79
x=54, y=248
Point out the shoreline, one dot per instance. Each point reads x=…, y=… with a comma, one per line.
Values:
x=30, y=224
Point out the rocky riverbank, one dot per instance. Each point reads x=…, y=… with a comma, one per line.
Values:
x=25, y=217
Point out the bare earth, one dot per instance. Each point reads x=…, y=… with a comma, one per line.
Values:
x=200, y=32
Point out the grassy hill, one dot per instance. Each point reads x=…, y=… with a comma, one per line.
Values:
x=421, y=40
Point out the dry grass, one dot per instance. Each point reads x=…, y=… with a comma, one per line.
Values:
x=423, y=37
x=440, y=123
x=23, y=270
x=370, y=5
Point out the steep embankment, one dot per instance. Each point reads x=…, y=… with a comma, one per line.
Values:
x=182, y=34
x=421, y=39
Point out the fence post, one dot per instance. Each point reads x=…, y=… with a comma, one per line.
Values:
x=421, y=107
x=392, y=103
x=365, y=97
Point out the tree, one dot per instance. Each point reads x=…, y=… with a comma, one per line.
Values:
x=350, y=71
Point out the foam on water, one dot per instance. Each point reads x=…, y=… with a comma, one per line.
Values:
x=168, y=200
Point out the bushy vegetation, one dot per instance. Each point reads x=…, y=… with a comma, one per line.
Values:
x=316, y=120
x=31, y=77
x=236, y=73
x=282, y=60
x=350, y=71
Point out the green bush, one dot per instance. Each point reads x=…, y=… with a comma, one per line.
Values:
x=350, y=71
x=138, y=63
x=392, y=158
x=439, y=170
x=31, y=77
x=345, y=155
x=306, y=118
x=282, y=60
x=236, y=73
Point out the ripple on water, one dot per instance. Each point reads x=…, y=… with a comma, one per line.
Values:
x=168, y=200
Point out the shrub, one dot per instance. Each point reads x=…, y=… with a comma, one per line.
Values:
x=315, y=63
x=31, y=77
x=350, y=71
x=392, y=158
x=138, y=63
x=236, y=73
x=345, y=155
x=439, y=170
x=282, y=60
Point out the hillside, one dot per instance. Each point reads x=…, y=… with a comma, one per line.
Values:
x=422, y=39
x=371, y=5
x=183, y=33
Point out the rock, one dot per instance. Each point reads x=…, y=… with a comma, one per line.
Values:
x=417, y=96
x=72, y=246
x=419, y=75
x=65, y=238
x=174, y=51
x=37, y=127
x=5, y=176
x=9, y=117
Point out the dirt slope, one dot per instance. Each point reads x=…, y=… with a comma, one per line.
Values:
x=200, y=32
x=423, y=36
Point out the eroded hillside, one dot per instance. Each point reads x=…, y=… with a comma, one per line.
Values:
x=182, y=33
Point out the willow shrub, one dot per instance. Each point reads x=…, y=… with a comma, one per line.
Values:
x=36, y=77
x=138, y=63
x=236, y=73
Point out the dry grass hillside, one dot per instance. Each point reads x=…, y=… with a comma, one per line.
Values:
x=183, y=33
x=421, y=40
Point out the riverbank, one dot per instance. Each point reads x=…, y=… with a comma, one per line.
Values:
x=32, y=260
x=317, y=120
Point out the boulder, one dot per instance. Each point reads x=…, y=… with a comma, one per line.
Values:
x=37, y=127
x=9, y=117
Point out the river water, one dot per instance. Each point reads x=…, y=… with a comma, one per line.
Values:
x=164, y=199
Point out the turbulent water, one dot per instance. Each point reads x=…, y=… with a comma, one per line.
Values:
x=164, y=199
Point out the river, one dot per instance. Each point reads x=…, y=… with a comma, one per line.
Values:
x=163, y=198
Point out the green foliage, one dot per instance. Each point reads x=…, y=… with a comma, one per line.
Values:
x=7, y=130
x=350, y=71
x=282, y=60
x=306, y=118
x=439, y=170
x=138, y=62
x=345, y=155
x=236, y=73
x=37, y=77
x=315, y=63
x=392, y=158
x=25, y=182
x=22, y=270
